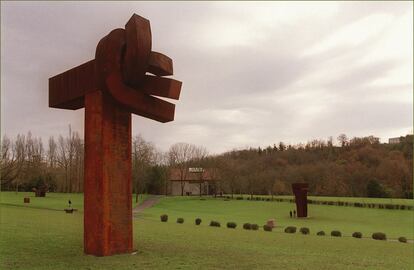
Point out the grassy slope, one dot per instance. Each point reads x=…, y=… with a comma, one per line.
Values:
x=34, y=238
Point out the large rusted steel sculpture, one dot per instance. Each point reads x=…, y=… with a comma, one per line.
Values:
x=301, y=190
x=111, y=87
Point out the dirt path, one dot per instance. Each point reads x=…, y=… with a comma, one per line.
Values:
x=149, y=202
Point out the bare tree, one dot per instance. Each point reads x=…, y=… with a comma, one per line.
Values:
x=343, y=140
x=63, y=161
x=78, y=162
x=199, y=155
x=143, y=155
x=12, y=159
x=181, y=155
x=51, y=152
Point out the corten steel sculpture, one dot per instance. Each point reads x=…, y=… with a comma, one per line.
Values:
x=300, y=190
x=111, y=87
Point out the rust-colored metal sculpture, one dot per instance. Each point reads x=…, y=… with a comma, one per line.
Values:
x=41, y=190
x=111, y=87
x=301, y=190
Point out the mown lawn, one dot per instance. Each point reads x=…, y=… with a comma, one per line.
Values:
x=39, y=238
x=52, y=201
x=394, y=223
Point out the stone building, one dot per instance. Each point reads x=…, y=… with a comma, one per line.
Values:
x=193, y=181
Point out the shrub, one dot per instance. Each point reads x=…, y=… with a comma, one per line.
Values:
x=215, y=224
x=402, y=239
x=390, y=206
x=290, y=229
x=198, y=221
x=231, y=225
x=304, y=230
x=180, y=220
x=239, y=198
x=357, y=235
x=357, y=204
x=267, y=228
x=320, y=233
x=247, y=226
x=336, y=233
x=376, y=190
x=379, y=236
x=164, y=218
x=255, y=227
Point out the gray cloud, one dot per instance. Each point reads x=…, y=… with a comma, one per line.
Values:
x=254, y=73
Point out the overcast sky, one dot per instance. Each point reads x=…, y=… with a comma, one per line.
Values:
x=253, y=73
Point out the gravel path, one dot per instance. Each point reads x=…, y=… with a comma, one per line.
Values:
x=149, y=202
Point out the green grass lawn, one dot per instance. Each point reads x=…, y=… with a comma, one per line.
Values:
x=52, y=201
x=394, y=223
x=40, y=238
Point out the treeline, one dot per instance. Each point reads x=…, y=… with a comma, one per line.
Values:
x=26, y=163
x=357, y=167
x=354, y=167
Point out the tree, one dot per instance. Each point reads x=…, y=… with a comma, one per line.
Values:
x=143, y=156
x=229, y=170
x=199, y=160
x=181, y=155
x=51, y=153
x=12, y=159
x=343, y=140
x=282, y=146
x=376, y=190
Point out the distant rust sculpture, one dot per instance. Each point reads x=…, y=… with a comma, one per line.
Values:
x=40, y=191
x=111, y=87
x=300, y=190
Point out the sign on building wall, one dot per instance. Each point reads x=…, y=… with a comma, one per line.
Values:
x=195, y=170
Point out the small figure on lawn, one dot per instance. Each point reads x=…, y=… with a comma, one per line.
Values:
x=294, y=213
x=70, y=204
x=290, y=213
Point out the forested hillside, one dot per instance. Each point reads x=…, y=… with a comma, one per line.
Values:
x=354, y=167
x=358, y=167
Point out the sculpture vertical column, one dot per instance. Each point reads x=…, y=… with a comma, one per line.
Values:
x=300, y=190
x=107, y=188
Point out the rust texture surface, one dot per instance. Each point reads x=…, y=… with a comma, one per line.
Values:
x=301, y=196
x=111, y=87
